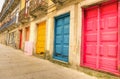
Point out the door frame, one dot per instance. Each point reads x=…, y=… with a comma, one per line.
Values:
x=37, y=26
x=55, y=18
x=83, y=37
x=82, y=55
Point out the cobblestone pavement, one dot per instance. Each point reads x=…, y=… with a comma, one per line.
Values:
x=15, y=65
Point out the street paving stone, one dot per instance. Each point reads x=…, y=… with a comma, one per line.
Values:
x=14, y=64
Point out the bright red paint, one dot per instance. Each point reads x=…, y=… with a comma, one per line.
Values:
x=100, y=38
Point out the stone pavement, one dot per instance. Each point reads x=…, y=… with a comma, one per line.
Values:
x=15, y=65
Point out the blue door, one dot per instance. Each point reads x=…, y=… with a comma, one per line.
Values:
x=61, y=43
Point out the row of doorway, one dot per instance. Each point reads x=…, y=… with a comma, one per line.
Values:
x=100, y=42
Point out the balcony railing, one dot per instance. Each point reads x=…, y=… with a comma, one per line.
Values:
x=23, y=17
x=64, y=2
x=59, y=1
x=9, y=8
x=8, y=24
x=38, y=6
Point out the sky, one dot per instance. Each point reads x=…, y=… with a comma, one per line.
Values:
x=1, y=4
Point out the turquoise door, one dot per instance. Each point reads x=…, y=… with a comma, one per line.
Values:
x=61, y=38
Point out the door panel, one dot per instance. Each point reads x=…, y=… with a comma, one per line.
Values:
x=90, y=37
x=61, y=47
x=109, y=37
x=41, y=36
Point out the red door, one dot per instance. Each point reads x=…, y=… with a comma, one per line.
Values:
x=101, y=37
x=20, y=44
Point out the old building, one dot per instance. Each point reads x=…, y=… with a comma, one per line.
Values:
x=79, y=32
x=8, y=19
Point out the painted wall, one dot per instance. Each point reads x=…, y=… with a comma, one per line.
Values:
x=3, y=38
x=22, y=4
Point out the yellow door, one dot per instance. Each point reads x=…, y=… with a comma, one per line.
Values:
x=41, y=36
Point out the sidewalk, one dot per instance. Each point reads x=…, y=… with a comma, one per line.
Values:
x=15, y=65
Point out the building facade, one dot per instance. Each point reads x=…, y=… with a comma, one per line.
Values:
x=83, y=33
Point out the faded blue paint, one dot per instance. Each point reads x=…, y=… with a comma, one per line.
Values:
x=61, y=37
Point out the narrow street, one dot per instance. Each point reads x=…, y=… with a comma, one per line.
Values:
x=15, y=65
